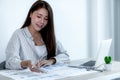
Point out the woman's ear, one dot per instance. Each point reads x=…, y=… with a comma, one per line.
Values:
x=31, y=14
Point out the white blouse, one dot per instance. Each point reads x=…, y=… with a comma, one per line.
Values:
x=21, y=47
x=41, y=52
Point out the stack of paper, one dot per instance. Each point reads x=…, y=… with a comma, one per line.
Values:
x=52, y=72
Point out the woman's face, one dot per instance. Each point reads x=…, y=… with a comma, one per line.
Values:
x=39, y=19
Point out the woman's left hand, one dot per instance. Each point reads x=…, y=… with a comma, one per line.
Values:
x=45, y=62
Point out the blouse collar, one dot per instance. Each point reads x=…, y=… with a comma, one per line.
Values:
x=27, y=32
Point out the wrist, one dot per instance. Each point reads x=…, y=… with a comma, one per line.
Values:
x=25, y=64
x=53, y=60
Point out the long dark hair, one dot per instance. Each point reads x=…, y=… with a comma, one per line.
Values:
x=47, y=32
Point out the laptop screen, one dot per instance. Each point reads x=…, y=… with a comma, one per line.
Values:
x=103, y=51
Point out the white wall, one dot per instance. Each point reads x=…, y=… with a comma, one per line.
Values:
x=69, y=17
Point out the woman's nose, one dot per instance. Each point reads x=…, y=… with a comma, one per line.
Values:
x=42, y=20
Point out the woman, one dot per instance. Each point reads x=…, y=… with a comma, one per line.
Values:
x=35, y=44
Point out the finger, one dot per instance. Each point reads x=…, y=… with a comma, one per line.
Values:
x=42, y=63
x=30, y=66
x=35, y=70
x=45, y=65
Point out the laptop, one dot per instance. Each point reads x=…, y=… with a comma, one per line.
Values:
x=103, y=51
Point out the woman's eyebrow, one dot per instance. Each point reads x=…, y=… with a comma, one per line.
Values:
x=41, y=14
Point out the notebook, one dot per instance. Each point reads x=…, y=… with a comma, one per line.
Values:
x=103, y=51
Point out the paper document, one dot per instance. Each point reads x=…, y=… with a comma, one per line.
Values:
x=52, y=72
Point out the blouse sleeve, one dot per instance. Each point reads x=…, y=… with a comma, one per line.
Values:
x=12, y=52
x=61, y=54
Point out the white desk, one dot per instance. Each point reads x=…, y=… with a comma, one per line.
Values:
x=115, y=69
x=4, y=78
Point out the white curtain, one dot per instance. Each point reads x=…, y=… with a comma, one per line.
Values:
x=100, y=22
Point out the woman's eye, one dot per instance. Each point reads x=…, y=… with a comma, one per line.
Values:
x=46, y=19
x=38, y=16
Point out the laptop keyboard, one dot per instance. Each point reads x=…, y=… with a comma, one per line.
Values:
x=89, y=63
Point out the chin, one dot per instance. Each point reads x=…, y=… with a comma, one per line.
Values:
x=38, y=29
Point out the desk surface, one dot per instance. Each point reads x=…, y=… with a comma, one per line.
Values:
x=115, y=69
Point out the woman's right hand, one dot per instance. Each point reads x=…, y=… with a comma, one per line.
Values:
x=28, y=63
x=32, y=67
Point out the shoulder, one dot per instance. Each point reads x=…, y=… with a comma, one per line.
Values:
x=17, y=31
